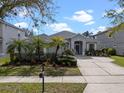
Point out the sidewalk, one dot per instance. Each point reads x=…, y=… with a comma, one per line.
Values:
x=35, y=79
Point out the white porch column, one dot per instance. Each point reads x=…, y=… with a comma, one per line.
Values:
x=87, y=46
x=72, y=44
x=45, y=50
x=84, y=47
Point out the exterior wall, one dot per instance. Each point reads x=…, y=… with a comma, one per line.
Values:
x=119, y=42
x=9, y=33
x=53, y=50
x=1, y=28
x=104, y=41
x=88, y=44
x=116, y=41
x=1, y=47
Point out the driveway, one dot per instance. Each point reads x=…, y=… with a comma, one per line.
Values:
x=101, y=75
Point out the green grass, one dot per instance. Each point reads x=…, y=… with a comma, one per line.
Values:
x=37, y=88
x=35, y=70
x=4, y=60
x=118, y=60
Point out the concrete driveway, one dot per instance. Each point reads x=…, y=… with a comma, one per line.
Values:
x=101, y=75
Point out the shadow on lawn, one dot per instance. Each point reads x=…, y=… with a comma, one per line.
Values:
x=31, y=71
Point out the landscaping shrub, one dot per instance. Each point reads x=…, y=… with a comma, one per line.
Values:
x=104, y=52
x=86, y=52
x=67, y=60
x=90, y=52
x=111, y=51
x=28, y=59
x=108, y=51
x=98, y=52
x=68, y=52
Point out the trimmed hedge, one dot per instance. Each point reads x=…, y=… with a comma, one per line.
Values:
x=102, y=52
x=111, y=51
x=67, y=60
x=68, y=52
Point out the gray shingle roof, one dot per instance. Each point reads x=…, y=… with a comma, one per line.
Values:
x=64, y=34
x=45, y=37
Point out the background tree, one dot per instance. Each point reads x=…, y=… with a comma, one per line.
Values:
x=116, y=17
x=38, y=11
x=87, y=34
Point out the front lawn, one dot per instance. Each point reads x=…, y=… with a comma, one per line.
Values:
x=37, y=88
x=35, y=70
x=4, y=60
x=118, y=60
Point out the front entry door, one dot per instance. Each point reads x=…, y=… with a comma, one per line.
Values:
x=78, y=47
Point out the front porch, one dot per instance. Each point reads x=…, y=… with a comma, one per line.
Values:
x=80, y=47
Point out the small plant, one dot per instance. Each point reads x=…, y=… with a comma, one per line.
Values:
x=67, y=60
x=111, y=51
x=68, y=52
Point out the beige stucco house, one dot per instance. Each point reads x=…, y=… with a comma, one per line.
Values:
x=77, y=42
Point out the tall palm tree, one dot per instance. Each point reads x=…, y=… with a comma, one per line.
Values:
x=57, y=42
x=38, y=45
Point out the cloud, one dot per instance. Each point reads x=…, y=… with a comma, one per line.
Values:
x=22, y=25
x=35, y=30
x=60, y=27
x=100, y=28
x=90, y=23
x=82, y=16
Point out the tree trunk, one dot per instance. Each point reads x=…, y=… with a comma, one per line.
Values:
x=19, y=50
x=56, y=60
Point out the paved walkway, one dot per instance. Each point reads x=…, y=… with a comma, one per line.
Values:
x=35, y=79
x=102, y=75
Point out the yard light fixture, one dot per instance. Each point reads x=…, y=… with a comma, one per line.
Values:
x=41, y=75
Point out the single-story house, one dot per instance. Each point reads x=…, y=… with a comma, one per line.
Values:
x=76, y=42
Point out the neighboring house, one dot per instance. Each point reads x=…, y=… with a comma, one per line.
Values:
x=76, y=42
x=7, y=33
x=116, y=41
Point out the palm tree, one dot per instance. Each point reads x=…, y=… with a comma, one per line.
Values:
x=38, y=45
x=57, y=42
x=16, y=46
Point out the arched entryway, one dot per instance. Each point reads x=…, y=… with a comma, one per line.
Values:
x=78, y=47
